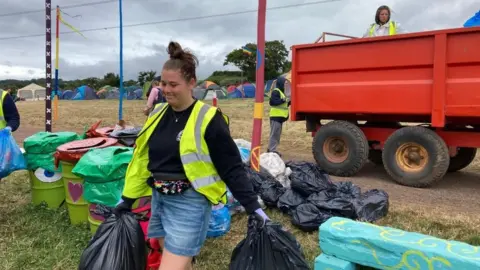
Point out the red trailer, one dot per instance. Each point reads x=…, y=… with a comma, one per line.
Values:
x=410, y=102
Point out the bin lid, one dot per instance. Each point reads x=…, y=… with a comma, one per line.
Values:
x=104, y=131
x=96, y=131
x=73, y=151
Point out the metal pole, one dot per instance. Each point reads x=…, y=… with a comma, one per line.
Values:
x=260, y=75
x=120, y=106
x=48, y=67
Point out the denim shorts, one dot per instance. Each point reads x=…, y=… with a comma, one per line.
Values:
x=181, y=219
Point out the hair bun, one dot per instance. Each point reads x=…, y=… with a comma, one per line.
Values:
x=175, y=50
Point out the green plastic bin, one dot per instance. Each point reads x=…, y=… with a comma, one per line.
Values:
x=76, y=204
x=67, y=156
x=93, y=219
x=48, y=189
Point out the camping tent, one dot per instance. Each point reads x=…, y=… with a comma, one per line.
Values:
x=84, y=92
x=67, y=94
x=103, y=91
x=207, y=94
x=32, y=92
x=249, y=90
x=269, y=86
x=246, y=90
x=206, y=84
x=138, y=94
x=473, y=21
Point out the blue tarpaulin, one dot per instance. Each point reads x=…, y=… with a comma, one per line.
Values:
x=473, y=21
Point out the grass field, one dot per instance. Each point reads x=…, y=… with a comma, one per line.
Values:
x=38, y=238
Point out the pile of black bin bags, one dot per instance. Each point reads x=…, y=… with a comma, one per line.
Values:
x=313, y=197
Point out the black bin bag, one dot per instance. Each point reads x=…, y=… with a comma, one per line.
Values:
x=307, y=178
x=267, y=247
x=118, y=244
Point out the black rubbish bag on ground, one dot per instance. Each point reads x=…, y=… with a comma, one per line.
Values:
x=289, y=201
x=267, y=247
x=307, y=178
x=348, y=189
x=270, y=192
x=118, y=244
x=258, y=178
x=372, y=205
x=308, y=218
x=334, y=201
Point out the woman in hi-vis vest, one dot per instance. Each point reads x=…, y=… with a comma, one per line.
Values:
x=383, y=26
x=185, y=158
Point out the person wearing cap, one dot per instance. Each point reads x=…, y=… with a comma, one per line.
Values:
x=383, y=25
x=278, y=114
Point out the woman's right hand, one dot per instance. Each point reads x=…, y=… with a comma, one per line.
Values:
x=146, y=111
x=122, y=207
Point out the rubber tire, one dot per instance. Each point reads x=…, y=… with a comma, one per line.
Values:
x=375, y=155
x=464, y=157
x=439, y=158
x=356, y=142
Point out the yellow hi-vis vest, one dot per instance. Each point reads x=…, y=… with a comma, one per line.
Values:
x=198, y=166
x=392, y=29
x=280, y=110
x=3, y=122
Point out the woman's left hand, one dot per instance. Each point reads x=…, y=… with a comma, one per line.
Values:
x=262, y=214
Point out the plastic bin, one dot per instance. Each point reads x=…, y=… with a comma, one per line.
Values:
x=45, y=180
x=67, y=156
x=47, y=187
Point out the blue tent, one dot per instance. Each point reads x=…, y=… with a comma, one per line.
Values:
x=84, y=93
x=138, y=94
x=235, y=94
x=473, y=21
x=249, y=90
x=269, y=86
x=68, y=94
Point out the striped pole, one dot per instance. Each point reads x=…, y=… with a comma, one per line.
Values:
x=260, y=75
x=48, y=67
x=57, y=53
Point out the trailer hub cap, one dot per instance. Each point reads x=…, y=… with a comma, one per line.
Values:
x=335, y=149
x=411, y=157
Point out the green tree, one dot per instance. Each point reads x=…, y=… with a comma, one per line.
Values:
x=276, y=59
x=93, y=82
x=146, y=76
x=111, y=79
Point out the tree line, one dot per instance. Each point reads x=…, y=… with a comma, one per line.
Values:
x=276, y=63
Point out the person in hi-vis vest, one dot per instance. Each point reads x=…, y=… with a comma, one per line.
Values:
x=9, y=116
x=278, y=114
x=185, y=158
x=383, y=26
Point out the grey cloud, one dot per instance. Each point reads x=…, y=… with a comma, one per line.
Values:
x=132, y=67
x=210, y=38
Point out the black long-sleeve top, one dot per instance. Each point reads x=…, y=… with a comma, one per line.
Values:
x=164, y=154
x=10, y=112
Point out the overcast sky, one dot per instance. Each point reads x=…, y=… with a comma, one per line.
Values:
x=210, y=38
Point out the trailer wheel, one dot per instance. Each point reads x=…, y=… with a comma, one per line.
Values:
x=415, y=156
x=465, y=156
x=340, y=148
